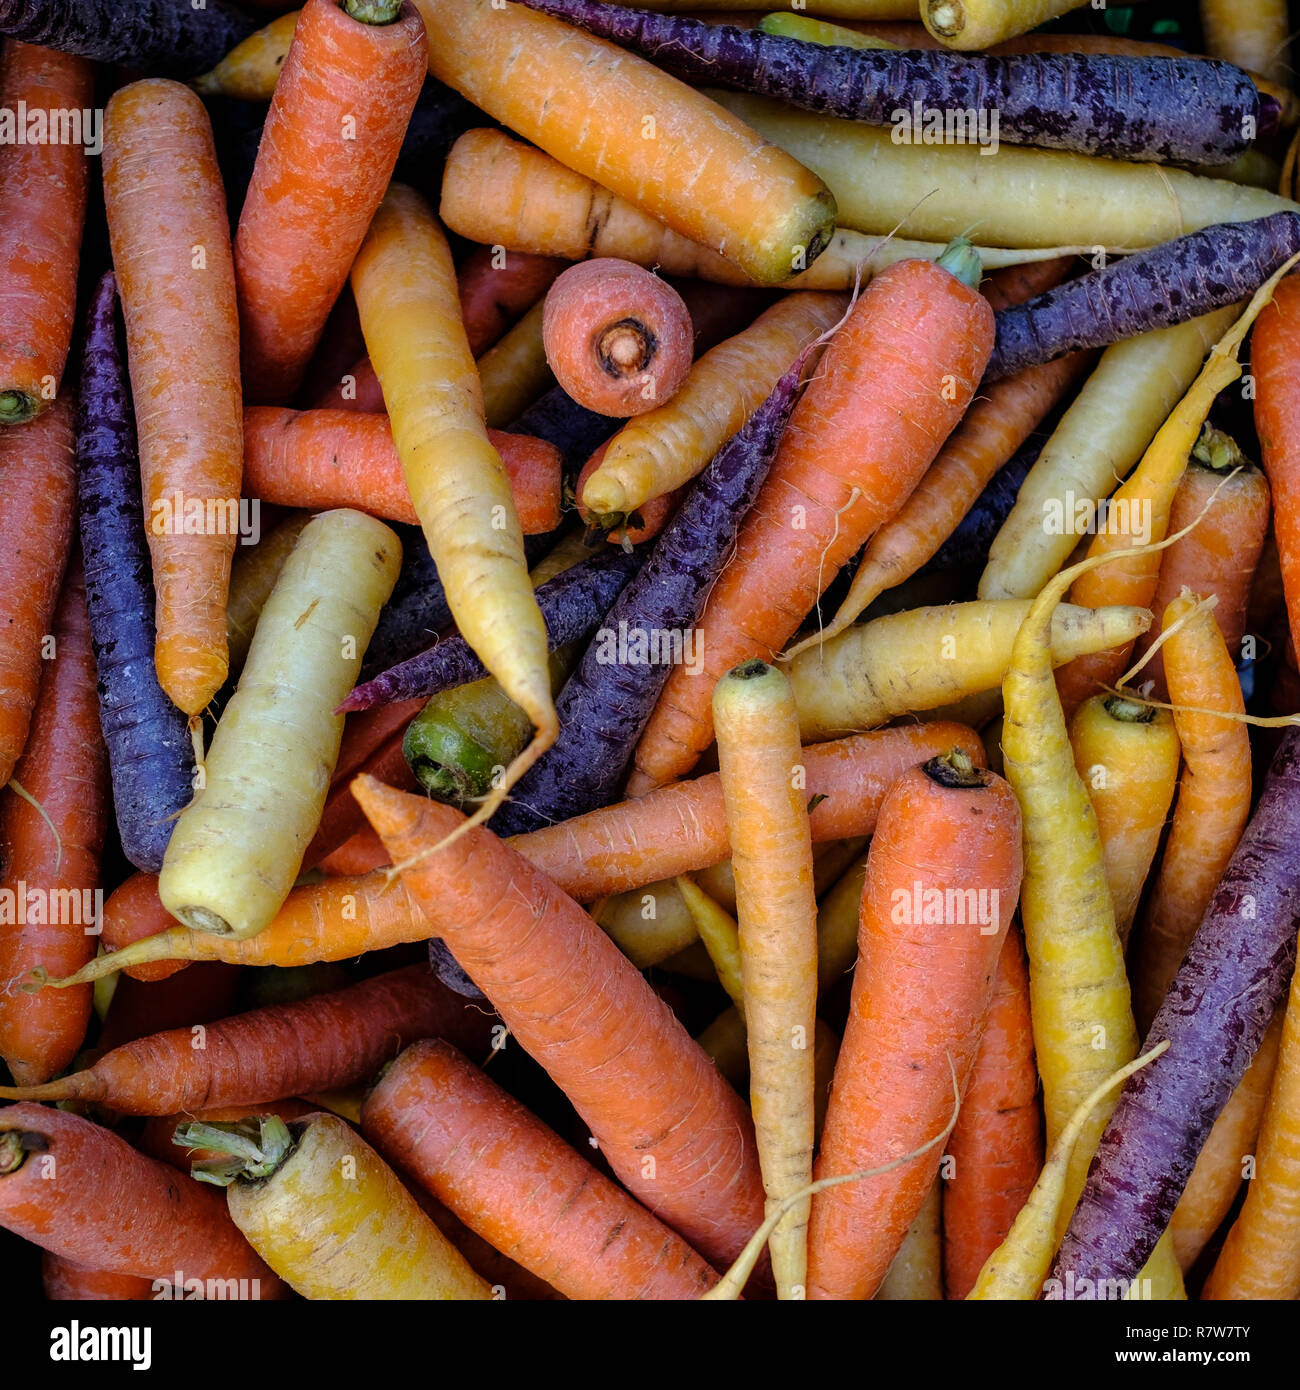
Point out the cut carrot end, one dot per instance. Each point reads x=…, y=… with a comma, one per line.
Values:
x=17, y=407
x=373, y=11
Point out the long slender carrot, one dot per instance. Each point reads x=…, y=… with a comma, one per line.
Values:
x=920, y=335
x=42, y=209
x=171, y=252
x=37, y=488
x=51, y=855
x=517, y=1184
x=328, y=148
x=676, y=1135
x=76, y=1189
x=326, y=1041
x=996, y=1146
x=767, y=821
x=1213, y=799
x=406, y=294
x=943, y=874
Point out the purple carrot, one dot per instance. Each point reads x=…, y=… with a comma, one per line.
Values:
x=969, y=543
x=1169, y=284
x=1182, y=110
x=158, y=38
x=605, y=704
x=150, y=754
x=572, y=604
x=1236, y=973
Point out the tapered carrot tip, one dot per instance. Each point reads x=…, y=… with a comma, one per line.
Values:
x=189, y=671
x=390, y=812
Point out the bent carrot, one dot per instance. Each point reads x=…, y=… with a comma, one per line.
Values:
x=37, y=513
x=327, y=151
x=42, y=210
x=171, y=252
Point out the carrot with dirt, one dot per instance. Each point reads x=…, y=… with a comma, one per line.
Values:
x=171, y=254
x=681, y=159
x=943, y=874
x=1127, y=754
x=316, y=1044
x=919, y=334
x=1214, y=797
x=438, y=1118
x=497, y=288
x=331, y=139
x=236, y=849
x=584, y=1013
x=996, y=1146
x=42, y=211
x=1228, y=498
x=50, y=845
x=406, y=295
x=326, y=1213
x=74, y=1188
x=37, y=513
x=767, y=822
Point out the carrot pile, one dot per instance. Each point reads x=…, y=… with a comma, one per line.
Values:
x=649, y=652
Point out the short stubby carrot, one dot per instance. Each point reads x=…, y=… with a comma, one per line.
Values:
x=898, y=377
x=42, y=210
x=943, y=876
x=171, y=252
x=327, y=151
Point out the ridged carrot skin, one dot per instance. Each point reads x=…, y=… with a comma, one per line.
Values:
x=42, y=210
x=51, y=861
x=37, y=515
x=328, y=148
x=171, y=252
x=517, y=1184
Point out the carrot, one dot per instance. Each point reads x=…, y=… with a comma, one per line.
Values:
x=1219, y=556
x=64, y=1281
x=79, y=1191
x=358, y=389
x=342, y=817
x=171, y=252
x=328, y=148
x=42, y=209
x=996, y=1147
x=946, y=854
x=252, y=578
x=970, y=24
x=514, y=372
x=327, y=1214
x=669, y=445
x=158, y=1133
x=630, y=528
x=995, y=426
x=1261, y=1256
x=236, y=849
x=51, y=854
x=673, y=1131
x=1251, y=33
x=251, y=69
x=37, y=513
x=918, y=334
x=1215, y=1181
x=326, y=1041
x=618, y=339
x=676, y=155
x=497, y=287
x=767, y=821
x=1127, y=754
x=1140, y=508
x=517, y=1184
x=405, y=291
x=1213, y=798
x=915, y=1273
x=357, y=855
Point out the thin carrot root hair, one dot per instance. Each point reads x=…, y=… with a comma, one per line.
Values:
x=1256, y=721
x=1203, y=606
x=40, y=810
x=728, y=1288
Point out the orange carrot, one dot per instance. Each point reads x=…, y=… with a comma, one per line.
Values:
x=943, y=875
x=996, y=1146
x=360, y=854
x=518, y=1185
x=366, y=731
x=314, y=1044
x=358, y=389
x=66, y=1282
x=42, y=209
x=51, y=855
x=132, y=912
x=652, y=515
x=37, y=516
x=342, y=817
x=674, y=1132
x=76, y=1189
x=171, y=251
x=898, y=376
x=334, y=458
x=1014, y=284
x=497, y=287
x=331, y=139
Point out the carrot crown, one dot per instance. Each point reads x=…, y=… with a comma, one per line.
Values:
x=961, y=260
x=1218, y=451
x=1128, y=711
x=373, y=11
x=15, y=1145
x=955, y=770
x=254, y=1148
